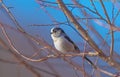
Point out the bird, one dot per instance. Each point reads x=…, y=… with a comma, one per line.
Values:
x=64, y=44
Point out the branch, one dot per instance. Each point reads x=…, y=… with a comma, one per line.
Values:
x=12, y=17
x=85, y=36
x=19, y=59
x=111, y=29
x=37, y=74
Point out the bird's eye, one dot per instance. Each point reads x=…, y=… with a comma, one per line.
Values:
x=54, y=31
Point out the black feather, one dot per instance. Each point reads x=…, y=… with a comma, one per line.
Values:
x=76, y=48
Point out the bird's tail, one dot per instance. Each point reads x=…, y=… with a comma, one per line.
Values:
x=90, y=62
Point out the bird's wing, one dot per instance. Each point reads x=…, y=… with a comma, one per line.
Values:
x=76, y=48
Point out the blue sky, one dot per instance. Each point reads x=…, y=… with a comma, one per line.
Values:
x=29, y=12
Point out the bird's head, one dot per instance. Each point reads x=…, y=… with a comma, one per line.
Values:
x=57, y=32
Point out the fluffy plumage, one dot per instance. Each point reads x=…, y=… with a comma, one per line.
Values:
x=63, y=43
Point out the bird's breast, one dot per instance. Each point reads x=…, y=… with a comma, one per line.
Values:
x=63, y=45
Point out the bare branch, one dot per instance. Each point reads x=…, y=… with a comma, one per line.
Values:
x=85, y=35
x=111, y=29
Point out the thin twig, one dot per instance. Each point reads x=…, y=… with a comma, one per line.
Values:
x=76, y=67
x=65, y=22
x=36, y=73
x=7, y=61
x=92, y=11
x=12, y=17
x=111, y=29
x=96, y=11
x=117, y=14
x=106, y=72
